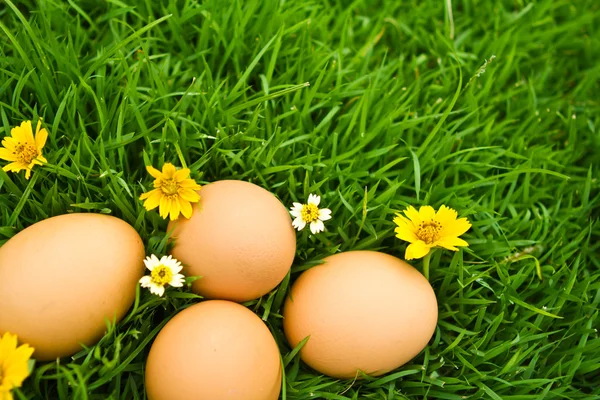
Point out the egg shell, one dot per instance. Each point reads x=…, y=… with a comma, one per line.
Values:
x=240, y=240
x=61, y=278
x=363, y=310
x=217, y=350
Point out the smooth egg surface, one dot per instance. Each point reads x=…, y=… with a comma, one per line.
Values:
x=62, y=278
x=362, y=311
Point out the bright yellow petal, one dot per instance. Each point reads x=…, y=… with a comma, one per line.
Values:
x=27, y=132
x=153, y=199
x=446, y=215
x=413, y=215
x=416, y=250
x=427, y=213
x=42, y=160
x=189, y=195
x=7, y=155
x=14, y=167
x=405, y=229
x=156, y=174
x=181, y=175
x=455, y=228
x=186, y=208
x=175, y=209
x=189, y=184
x=40, y=138
x=27, y=173
x=168, y=170
x=8, y=344
x=164, y=207
x=9, y=143
x=450, y=243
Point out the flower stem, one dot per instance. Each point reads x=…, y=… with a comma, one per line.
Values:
x=426, y=265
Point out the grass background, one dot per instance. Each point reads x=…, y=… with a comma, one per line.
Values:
x=398, y=112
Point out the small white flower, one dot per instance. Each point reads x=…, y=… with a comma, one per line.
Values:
x=162, y=272
x=310, y=213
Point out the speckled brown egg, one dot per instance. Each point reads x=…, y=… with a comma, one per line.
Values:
x=63, y=277
x=363, y=310
x=214, y=350
x=240, y=240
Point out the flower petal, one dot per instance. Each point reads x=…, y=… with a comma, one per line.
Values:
x=455, y=228
x=450, y=243
x=7, y=155
x=186, y=208
x=417, y=249
x=156, y=174
x=181, y=175
x=164, y=207
x=175, y=209
x=445, y=215
x=317, y=226
x=14, y=166
x=177, y=280
x=404, y=232
x=40, y=137
x=299, y=223
x=168, y=170
x=145, y=280
x=314, y=199
x=188, y=195
x=427, y=213
x=153, y=199
x=189, y=184
x=324, y=214
x=413, y=215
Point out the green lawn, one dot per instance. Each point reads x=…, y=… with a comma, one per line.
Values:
x=375, y=105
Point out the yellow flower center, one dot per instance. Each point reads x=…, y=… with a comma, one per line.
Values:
x=310, y=213
x=429, y=232
x=161, y=275
x=169, y=187
x=25, y=153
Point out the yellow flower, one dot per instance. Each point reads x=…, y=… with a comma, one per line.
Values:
x=23, y=149
x=426, y=229
x=13, y=364
x=173, y=192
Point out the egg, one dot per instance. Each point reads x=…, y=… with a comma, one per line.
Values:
x=361, y=311
x=63, y=277
x=217, y=350
x=240, y=240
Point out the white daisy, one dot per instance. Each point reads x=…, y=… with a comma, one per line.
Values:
x=310, y=213
x=162, y=272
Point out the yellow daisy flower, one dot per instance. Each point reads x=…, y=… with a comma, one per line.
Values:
x=426, y=229
x=174, y=192
x=13, y=364
x=23, y=148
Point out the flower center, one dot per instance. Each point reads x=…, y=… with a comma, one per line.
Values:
x=310, y=213
x=25, y=153
x=161, y=275
x=169, y=187
x=429, y=232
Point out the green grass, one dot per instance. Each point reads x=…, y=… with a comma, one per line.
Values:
x=395, y=114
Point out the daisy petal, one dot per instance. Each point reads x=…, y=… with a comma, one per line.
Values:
x=168, y=170
x=182, y=174
x=404, y=232
x=317, y=226
x=145, y=281
x=314, y=199
x=456, y=228
x=186, y=208
x=450, y=243
x=324, y=214
x=413, y=215
x=40, y=137
x=298, y=223
x=7, y=155
x=445, y=215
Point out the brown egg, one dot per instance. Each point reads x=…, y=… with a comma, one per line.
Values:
x=240, y=239
x=363, y=310
x=217, y=350
x=61, y=278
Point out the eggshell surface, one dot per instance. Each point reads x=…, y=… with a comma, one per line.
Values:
x=61, y=278
x=217, y=350
x=363, y=310
x=240, y=240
